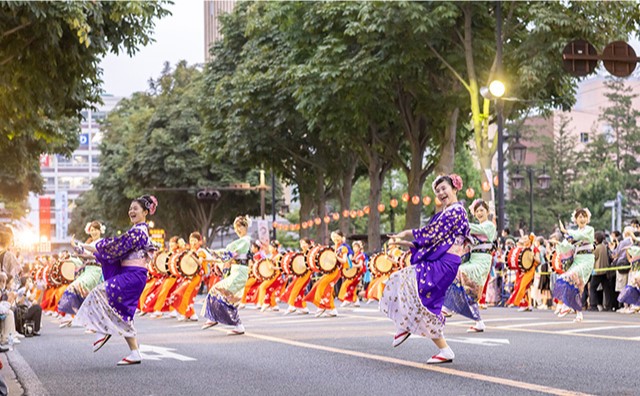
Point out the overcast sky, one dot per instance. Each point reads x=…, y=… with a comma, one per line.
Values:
x=178, y=36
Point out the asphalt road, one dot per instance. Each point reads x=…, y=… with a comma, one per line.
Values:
x=523, y=353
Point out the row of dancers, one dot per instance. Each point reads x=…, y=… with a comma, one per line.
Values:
x=448, y=266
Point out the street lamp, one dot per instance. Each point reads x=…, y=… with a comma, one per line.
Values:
x=544, y=181
x=494, y=92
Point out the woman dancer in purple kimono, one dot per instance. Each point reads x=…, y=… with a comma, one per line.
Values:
x=110, y=307
x=413, y=297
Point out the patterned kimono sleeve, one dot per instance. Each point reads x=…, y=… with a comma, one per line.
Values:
x=239, y=246
x=586, y=234
x=117, y=248
x=486, y=228
x=441, y=229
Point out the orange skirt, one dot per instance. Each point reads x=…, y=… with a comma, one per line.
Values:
x=322, y=294
x=185, y=295
x=349, y=288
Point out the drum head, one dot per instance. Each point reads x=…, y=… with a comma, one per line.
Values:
x=327, y=260
x=298, y=265
x=383, y=264
x=68, y=270
x=266, y=269
x=526, y=260
x=189, y=265
x=350, y=273
x=286, y=262
x=161, y=262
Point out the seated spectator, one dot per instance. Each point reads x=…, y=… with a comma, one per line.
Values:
x=8, y=324
x=27, y=305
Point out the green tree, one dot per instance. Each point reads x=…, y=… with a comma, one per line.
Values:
x=533, y=34
x=149, y=147
x=49, y=55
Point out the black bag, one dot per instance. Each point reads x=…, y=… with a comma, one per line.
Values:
x=20, y=313
x=623, y=262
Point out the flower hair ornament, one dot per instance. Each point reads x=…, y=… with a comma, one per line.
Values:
x=149, y=202
x=456, y=181
x=586, y=210
x=476, y=202
x=87, y=228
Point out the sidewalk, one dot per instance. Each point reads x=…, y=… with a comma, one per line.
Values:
x=13, y=386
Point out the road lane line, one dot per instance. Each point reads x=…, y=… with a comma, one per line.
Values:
x=490, y=320
x=598, y=329
x=422, y=366
x=543, y=324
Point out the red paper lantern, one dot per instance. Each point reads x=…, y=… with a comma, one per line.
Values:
x=317, y=220
x=381, y=208
x=415, y=200
x=360, y=213
x=470, y=193
x=496, y=180
x=353, y=214
x=336, y=216
x=327, y=219
x=304, y=225
x=426, y=200
x=405, y=197
x=486, y=187
x=366, y=210
x=393, y=203
x=345, y=213
x=275, y=225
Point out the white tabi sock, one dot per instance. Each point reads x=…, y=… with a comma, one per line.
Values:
x=447, y=353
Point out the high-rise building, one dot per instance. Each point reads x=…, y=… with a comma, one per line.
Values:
x=212, y=10
x=66, y=178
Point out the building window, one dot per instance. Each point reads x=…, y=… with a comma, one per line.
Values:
x=584, y=137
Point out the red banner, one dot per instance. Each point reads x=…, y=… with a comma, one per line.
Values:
x=45, y=217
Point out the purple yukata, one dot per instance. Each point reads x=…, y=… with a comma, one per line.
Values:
x=413, y=297
x=110, y=307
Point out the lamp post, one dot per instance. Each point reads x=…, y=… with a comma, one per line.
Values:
x=518, y=154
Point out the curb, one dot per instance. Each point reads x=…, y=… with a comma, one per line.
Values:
x=9, y=376
x=27, y=381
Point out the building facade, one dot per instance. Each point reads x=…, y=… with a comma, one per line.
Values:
x=66, y=178
x=212, y=10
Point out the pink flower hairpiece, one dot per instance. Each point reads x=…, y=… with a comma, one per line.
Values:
x=153, y=205
x=457, y=181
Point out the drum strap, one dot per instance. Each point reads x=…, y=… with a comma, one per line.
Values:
x=483, y=247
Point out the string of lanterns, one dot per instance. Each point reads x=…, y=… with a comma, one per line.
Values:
x=393, y=203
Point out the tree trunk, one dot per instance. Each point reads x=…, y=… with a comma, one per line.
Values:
x=448, y=151
x=321, y=209
x=306, y=204
x=376, y=176
x=345, y=195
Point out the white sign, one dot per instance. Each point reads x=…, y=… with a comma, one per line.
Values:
x=263, y=231
x=480, y=341
x=150, y=352
x=62, y=214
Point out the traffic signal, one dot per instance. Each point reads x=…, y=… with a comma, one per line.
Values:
x=208, y=195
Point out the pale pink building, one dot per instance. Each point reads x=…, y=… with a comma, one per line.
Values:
x=583, y=119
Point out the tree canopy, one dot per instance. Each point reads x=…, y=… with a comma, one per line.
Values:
x=49, y=71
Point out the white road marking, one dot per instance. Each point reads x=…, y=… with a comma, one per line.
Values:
x=598, y=329
x=490, y=320
x=545, y=324
x=151, y=352
x=479, y=341
x=473, y=340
